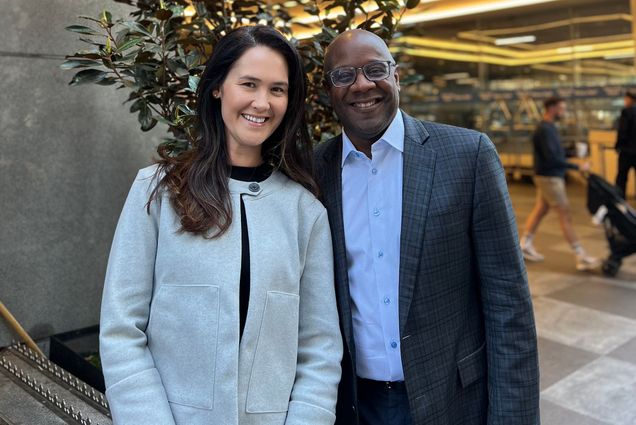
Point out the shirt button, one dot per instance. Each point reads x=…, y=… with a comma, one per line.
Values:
x=376, y=212
x=254, y=187
x=374, y=171
x=393, y=344
x=387, y=300
x=380, y=254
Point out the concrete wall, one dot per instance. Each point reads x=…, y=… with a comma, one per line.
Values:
x=67, y=158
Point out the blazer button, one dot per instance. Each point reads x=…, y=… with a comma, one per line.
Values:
x=254, y=187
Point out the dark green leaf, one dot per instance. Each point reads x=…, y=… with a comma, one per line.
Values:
x=90, y=41
x=133, y=95
x=186, y=110
x=177, y=67
x=154, y=48
x=174, y=145
x=106, y=19
x=192, y=59
x=137, y=105
x=108, y=81
x=81, y=29
x=70, y=64
x=153, y=99
x=412, y=4
x=128, y=58
x=88, y=76
x=145, y=118
x=128, y=44
x=84, y=54
x=135, y=26
x=121, y=35
x=108, y=63
x=143, y=57
x=193, y=82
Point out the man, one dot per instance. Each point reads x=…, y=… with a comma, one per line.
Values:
x=432, y=292
x=626, y=141
x=549, y=169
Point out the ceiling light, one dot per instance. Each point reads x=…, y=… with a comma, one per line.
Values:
x=515, y=40
x=577, y=49
x=494, y=60
x=471, y=9
x=619, y=56
x=430, y=43
x=456, y=75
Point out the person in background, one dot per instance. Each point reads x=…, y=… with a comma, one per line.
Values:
x=219, y=305
x=550, y=166
x=626, y=141
x=431, y=286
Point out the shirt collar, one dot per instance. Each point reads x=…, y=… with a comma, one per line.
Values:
x=393, y=136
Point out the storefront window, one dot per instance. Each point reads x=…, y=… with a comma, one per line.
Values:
x=491, y=72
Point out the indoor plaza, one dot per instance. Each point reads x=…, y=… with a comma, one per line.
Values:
x=491, y=68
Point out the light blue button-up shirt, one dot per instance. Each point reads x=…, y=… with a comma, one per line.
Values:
x=372, y=213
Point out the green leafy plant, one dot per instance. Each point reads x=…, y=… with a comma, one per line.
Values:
x=159, y=52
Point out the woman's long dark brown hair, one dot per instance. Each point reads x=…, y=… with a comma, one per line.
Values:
x=197, y=180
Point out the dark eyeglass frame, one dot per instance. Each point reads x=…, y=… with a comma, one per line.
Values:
x=329, y=75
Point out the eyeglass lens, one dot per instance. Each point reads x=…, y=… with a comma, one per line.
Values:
x=373, y=71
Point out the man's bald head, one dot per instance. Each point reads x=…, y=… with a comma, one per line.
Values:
x=366, y=106
x=350, y=40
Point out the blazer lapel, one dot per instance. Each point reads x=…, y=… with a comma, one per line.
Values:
x=418, y=172
x=332, y=194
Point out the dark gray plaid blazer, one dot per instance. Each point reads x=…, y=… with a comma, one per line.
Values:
x=468, y=346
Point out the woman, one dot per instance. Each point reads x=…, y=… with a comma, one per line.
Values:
x=218, y=305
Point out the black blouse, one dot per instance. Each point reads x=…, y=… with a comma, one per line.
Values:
x=246, y=174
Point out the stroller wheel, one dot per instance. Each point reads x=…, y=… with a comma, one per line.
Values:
x=610, y=267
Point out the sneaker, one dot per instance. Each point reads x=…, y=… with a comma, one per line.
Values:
x=585, y=262
x=531, y=254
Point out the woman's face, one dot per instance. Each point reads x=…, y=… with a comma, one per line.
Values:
x=253, y=103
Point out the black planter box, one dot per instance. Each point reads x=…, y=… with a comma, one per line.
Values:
x=69, y=350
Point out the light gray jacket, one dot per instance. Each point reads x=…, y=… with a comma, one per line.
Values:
x=169, y=339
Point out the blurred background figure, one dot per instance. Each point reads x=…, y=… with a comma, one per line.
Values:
x=626, y=141
x=550, y=167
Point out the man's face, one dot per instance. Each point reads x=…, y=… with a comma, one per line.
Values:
x=365, y=108
x=560, y=109
x=628, y=101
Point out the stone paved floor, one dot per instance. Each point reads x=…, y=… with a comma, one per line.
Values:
x=586, y=323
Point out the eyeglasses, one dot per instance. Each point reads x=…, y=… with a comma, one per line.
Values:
x=373, y=71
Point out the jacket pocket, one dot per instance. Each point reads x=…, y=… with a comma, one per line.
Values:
x=274, y=368
x=182, y=337
x=472, y=367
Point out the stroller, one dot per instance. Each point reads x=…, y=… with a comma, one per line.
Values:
x=607, y=205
